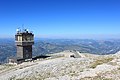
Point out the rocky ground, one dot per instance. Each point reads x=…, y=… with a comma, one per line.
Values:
x=86, y=67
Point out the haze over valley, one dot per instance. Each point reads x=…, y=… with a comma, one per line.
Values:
x=50, y=46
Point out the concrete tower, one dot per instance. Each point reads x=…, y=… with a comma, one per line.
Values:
x=24, y=41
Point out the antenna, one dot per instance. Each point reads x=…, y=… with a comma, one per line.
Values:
x=31, y=31
x=22, y=27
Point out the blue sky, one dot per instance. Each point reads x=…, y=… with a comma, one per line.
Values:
x=61, y=18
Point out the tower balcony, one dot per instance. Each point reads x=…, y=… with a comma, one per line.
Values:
x=24, y=43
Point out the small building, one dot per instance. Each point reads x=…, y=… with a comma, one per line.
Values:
x=72, y=53
x=12, y=60
x=68, y=54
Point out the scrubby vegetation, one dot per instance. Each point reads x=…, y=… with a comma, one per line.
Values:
x=100, y=61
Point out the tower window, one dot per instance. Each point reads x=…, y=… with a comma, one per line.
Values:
x=26, y=51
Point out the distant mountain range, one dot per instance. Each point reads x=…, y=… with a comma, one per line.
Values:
x=48, y=46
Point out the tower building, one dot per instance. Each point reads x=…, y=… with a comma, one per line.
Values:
x=24, y=41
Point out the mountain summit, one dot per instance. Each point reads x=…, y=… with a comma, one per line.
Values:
x=62, y=67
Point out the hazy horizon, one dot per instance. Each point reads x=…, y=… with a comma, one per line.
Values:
x=94, y=37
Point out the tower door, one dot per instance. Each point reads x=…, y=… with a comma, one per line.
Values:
x=27, y=52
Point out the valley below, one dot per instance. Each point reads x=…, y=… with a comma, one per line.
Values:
x=51, y=46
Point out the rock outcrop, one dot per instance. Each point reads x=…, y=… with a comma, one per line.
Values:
x=63, y=67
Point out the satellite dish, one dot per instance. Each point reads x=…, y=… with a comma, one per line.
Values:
x=17, y=30
x=27, y=30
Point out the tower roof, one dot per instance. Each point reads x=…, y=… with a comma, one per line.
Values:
x=24, y=32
